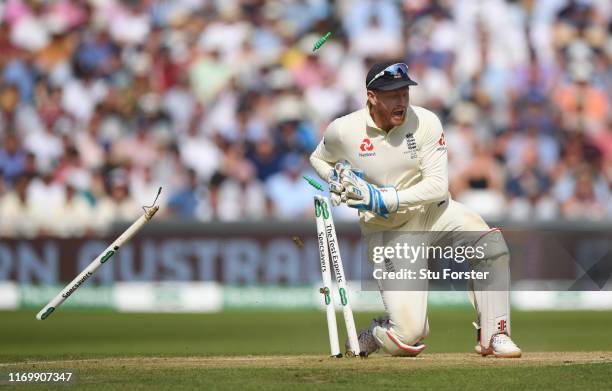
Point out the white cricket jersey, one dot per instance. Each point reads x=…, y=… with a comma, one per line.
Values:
x=411, y=157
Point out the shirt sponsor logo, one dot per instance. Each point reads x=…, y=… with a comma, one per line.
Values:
x=411, y=145
x=366, y=148
x=442, y=141
x=366, y=145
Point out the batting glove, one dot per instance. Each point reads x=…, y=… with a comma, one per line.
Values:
x=364, y=196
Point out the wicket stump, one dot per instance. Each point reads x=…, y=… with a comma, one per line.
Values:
x=96, y=263
x=329, y=250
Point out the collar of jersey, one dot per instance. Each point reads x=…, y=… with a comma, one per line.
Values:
x=371, y=124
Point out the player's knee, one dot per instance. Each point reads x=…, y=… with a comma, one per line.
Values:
x=408, y=314
x=467, y=219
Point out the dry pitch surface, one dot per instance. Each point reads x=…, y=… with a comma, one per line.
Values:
x=373, y=363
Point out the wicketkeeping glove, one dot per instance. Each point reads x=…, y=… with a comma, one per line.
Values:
x=333, y=180
x=364, y=196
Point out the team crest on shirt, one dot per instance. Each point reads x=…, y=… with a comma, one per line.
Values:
x=366, y=148
x=411, y=145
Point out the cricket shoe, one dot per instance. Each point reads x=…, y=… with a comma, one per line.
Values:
x=501, y=346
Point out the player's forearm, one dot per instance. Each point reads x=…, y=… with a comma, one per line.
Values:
x=328, y=152
x=431, y=189
x=321, y=166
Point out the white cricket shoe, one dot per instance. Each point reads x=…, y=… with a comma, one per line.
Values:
x=501, y=346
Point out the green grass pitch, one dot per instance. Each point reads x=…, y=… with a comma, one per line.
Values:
x=287, y=350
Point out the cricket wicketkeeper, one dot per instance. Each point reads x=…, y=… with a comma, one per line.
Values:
x=396, y=175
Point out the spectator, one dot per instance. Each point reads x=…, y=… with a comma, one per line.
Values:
x=130, y=23
x=529, y=191
x=188, y=202
x=170, y=169
x=45, y=190
x=97, y=55
x=602, y=140
x=71, y=171
x=242, y=196
x=180, y=104
x=73, y=217
x=89, y=143
x=28, y=28
x=144, y=186
x=583, y=204
x=546, y=145
x=208, y=76
x=12, y=158
x=199, y=153
x=18, y=217
x=579, y=156
x=479, y=187
x=46, y=145
x=581, y=102
x=139, y=149
x=290, y=195
x=461, y=137
x=20, y=72
x=82, y=95
x=123, y=207
x=377, y=40
x=266, y=159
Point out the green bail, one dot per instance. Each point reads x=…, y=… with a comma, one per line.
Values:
x=321, y=41
x=313, y=183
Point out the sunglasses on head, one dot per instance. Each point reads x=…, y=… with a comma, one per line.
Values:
x=399, y=69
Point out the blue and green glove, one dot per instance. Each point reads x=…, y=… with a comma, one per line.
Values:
x=359, y=194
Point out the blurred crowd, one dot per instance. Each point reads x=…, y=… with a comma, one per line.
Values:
x=221, y=102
